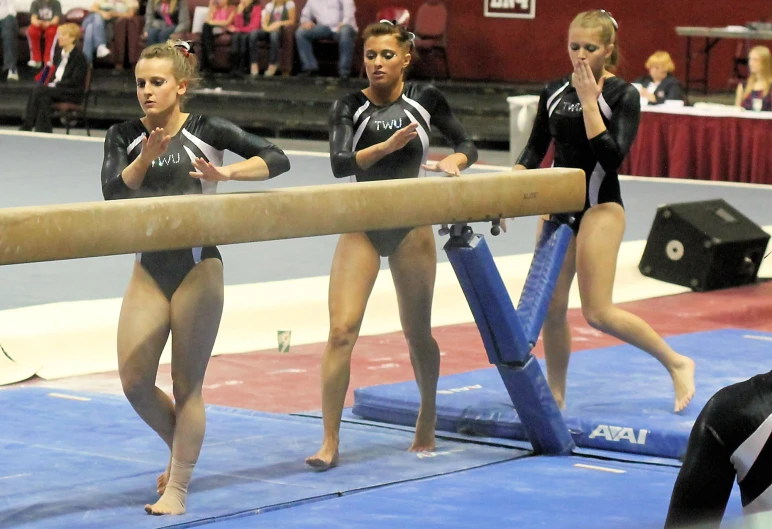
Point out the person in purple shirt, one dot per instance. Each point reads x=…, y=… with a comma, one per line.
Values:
x=324, y=19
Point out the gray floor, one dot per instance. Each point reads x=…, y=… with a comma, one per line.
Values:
x=46, y=170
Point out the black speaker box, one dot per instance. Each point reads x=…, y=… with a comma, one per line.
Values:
x=703, y=245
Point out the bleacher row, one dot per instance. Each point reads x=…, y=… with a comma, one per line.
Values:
x=429, y=23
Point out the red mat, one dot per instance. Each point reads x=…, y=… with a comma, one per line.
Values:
x=289, y=382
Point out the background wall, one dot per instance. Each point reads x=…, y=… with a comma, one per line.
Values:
x=534, y=50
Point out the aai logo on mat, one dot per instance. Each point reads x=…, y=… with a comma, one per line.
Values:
x=619, y=433
x=510, y=8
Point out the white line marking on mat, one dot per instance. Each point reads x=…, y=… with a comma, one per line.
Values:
x=63, y=396
x=16, y=476
x=282, y=371
x=45, y=136
x=232, y=441
x=424, y=455
x=602, y=469
x=384, y=366
x=226, y=383
x=764, y=338
x=484, y=167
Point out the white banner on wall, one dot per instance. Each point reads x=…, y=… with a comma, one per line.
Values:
x=510, y=8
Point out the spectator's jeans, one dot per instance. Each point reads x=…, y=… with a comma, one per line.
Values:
x=159, y=36
x=93, y=34
x=9, y=30
x=345, y=39
x=274, y=38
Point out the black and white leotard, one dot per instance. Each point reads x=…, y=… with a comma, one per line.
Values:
x=560, y=118
x=199, y=137
x=356, y=123
x=731, y=440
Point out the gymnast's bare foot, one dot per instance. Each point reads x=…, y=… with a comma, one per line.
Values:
x=326, y=458
x=560, y=398
x=169, y=503
x=163, y=479
x=424, y=433
x=682, y=374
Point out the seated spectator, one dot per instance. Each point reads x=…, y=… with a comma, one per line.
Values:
x=660, y=85
x=218, y=19
x=65, y=81
x=324, y=19
x=104, y=13
x=244, y=39
x=755, y=93
x=277, y=15
x=9, y=29
x=44, y=19
x=165, y=19
x=126, y=43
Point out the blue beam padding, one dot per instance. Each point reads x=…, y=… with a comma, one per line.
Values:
x=502, y=334
x=536, y=408
x=542, y=278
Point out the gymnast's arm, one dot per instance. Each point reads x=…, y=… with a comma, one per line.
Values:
x=540, y=138
x=262, y=159
x=705, y=482
x=344, y=160
x=611, y=145
x=119, y=177
x=465, y=152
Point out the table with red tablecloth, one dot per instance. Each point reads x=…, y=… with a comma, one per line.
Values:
x=702, y=143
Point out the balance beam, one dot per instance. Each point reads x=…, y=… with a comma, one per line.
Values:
x=92, y=229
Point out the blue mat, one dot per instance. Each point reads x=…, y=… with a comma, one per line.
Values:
x=618, y=398
x=89, y=461
x=536, y=492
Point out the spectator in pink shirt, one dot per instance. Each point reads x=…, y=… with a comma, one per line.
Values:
x=219, y=18
x=245, y=27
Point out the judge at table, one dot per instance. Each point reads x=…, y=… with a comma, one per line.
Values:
x=755, y=93
x=660, y=85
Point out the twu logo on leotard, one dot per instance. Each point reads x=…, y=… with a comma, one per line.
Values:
x=388, y=125
x=166, y=160
x=572, y=107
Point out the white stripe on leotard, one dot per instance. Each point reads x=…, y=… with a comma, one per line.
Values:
x=604, y=108
x=421, y=110
x=359, y=111
x=214, y=156
x=596, y=180
x=553, y=101
x=207, y=187
x=422, y=134
x=360, y=130
x=133, y=144
x=746, y=454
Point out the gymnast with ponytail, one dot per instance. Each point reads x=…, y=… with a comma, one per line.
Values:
x=383, y=133
x=592, y=116
x=177, y=292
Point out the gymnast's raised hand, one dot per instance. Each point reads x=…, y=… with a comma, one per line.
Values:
x=155, y=144
x=401, y=138
x=583, y=81
x=209, y=172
